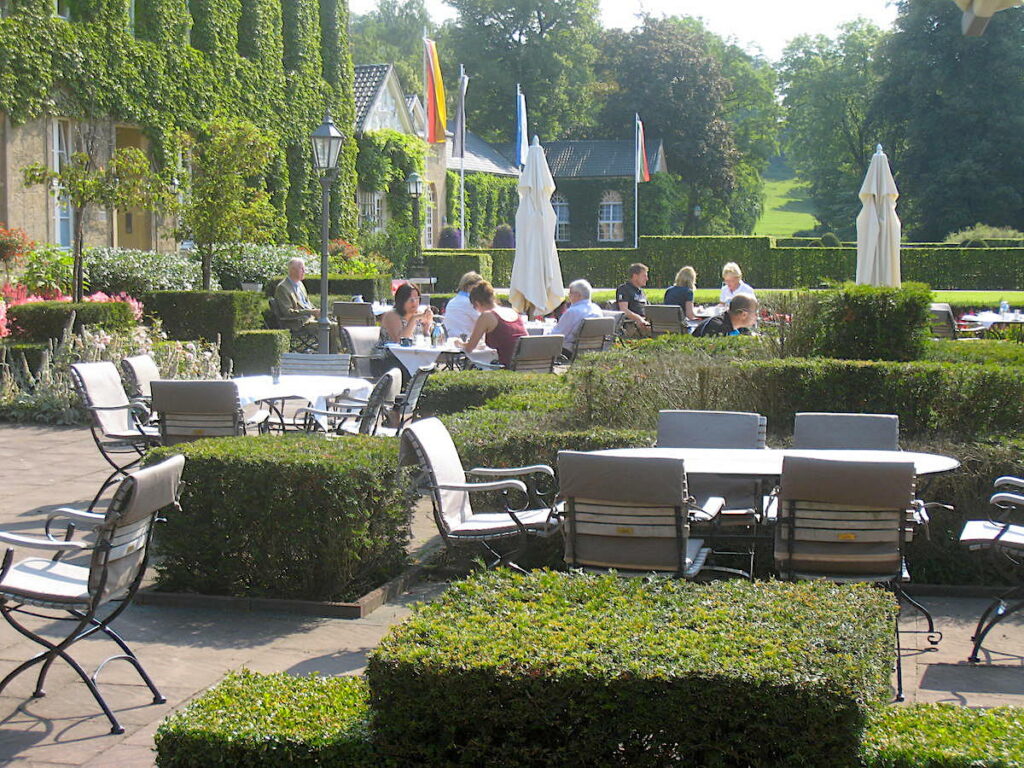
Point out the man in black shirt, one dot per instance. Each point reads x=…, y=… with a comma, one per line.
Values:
x=631, y=300
x=736, y=320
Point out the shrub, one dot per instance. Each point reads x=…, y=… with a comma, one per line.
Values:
x=49, y=270
x=42, y=320
x=984, y=232
x=449, y=266
x=277, y=721
x=944, y=736
x=239, y=263
x=32, y=352
x=504, y=237
x=116, y=270
x=979, y=351
x=450, y=238
x=865, y=322
x=255, y=352
x=454, y=391
x=14, y=244
x=577, y=670
x=285, y=516
x=829, y=240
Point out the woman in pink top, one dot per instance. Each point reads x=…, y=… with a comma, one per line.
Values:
x=499, y=326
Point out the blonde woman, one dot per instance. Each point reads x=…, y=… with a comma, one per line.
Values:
x=682, y=292
x=733, y=285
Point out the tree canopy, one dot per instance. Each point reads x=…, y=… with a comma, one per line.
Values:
x=393, y=34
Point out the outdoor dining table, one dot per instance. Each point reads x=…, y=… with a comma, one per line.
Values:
x=314, y=389
x=414, y=357
x=990, y=319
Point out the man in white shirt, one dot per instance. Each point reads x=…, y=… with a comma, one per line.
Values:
x=580, y=308
x=459, y=315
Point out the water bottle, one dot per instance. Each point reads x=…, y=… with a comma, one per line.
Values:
x=1004, y=307
x=435, y=335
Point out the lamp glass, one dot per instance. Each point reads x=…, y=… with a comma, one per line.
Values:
x=414, y=185
x=327, y=141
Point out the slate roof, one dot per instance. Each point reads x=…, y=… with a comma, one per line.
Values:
x=368, y=81
x=594, y=159
x=481, y=157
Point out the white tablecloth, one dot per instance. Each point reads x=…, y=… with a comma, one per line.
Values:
x=988, y=319
x=314, y=389
x=413, y=358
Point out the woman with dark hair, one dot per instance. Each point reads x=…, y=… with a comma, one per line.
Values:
x=401, y=323
x=500, y=327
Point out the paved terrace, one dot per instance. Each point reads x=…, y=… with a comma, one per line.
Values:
x=187, y=650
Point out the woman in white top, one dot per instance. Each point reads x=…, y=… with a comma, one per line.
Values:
x=733, y=285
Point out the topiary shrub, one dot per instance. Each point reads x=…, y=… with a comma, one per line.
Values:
x=255, y=352
x=117, y=270
x=504, y=237
x=576, y=670
x=285, y=516
x=865, y=322
x=974, y=243
x=271, y=721
x=450, y=238
x=830, y=240
x=38, y=321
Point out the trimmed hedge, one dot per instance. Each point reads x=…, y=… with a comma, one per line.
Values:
x=944, y=736
x=276, y=721
x=117, y=270
x=285, y=516
x=371, y=288
x=255, y=352
x=448, y=266
x=978, y=351
x=41, y=320
x=455, y=391
x=32, y=351
x=867, y=322
x=187, y=315
x=577, y=670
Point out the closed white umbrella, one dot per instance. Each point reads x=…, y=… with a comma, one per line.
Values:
x=536, y=286
x=978, y=12
x=878, y=226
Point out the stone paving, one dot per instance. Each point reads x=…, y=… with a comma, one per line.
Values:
x=187, y=650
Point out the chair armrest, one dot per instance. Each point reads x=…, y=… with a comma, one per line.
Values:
x=257, y=418
x=512, y=471
x=497, y=485
x=1013, y=482
x=1007, y=500
x=125, y=407
x=37, y=542
x=77, y=516
x=711, y=508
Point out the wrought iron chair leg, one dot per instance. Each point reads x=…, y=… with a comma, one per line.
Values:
x=899, y=663
x=934, y=636
x=996, y=611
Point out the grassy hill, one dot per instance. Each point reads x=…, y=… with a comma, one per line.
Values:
x=787, y=209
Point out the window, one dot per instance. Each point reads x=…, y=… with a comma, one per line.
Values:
x=609, y=218
x=561, y=206
x=131, y=16
x=63, y=215
x=371, y=210
x=63, y=9
x=4, y=8
x=428, y=227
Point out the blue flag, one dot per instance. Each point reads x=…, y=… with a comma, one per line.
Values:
x=522, y=142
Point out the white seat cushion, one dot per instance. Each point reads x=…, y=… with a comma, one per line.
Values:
x=40, y=581
x=499, y=522
x=133, y=434
x=985, y=532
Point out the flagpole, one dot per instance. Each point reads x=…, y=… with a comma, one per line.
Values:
x=462, y=163
x=636, y=176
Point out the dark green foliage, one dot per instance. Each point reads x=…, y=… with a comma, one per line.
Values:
x=33, y=352
x=117, y=270
x=577, y=670
x=285, y=516
x=490, y=201
x=450, y=238
x=944, y=736
x=865, y=322
x=455, y=391
x=370, y=288
x=270, y=721
x=829, y=240
x=504, y=237
x=207, y=314
x=449, y=266
x=42, y=320
x=980, y=351
x=256, y=351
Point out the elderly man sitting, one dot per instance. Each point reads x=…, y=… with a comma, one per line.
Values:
x=580, y=308
x=294, y=305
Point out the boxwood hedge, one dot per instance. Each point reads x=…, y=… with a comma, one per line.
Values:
x=285, y=516
x=454, y=391
x=255, y=352
x=578, y=670
x=41, y=320
x=276, y=721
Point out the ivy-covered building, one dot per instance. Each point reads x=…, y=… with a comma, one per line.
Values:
x=99, y=75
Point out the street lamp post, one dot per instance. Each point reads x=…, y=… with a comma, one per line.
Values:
x=327, y=141
x=414, y=186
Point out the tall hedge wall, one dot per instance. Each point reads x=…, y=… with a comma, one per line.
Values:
x=278, y=63
x=490, y=201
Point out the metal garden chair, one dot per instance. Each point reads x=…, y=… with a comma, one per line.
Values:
x=304, y=336
x=666, y=318
x=353, y=415
x=353, y=313
x=140, y=371
x=89, y=596
x=595, y=335
x=359, y=341
x=192, y=410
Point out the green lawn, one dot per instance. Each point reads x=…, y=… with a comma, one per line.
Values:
x=978, y=299
x=786, y=209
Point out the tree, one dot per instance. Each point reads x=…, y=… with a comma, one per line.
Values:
x=227, y=201
x=393, y=34
x=547, y=46
x=956, y=105
x=828, y=88
x=126, y=181
x=666, y=71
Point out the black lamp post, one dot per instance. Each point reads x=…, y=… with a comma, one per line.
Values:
x=327, y=141
x=414, y=186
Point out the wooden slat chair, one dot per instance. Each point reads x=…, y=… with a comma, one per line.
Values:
x=303, y=335
x=116, y=423
x=845, y=521
x=596, y=334
x=193, y=410
x=428, y=444
x=359, y=343
x=666, y=318
x=630, y=514
x=353, y=313
x=94, y=595
x=1003, y=536
x=304, y=364
x=537, y=354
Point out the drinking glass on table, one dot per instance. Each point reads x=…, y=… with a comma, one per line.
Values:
x=275, y=374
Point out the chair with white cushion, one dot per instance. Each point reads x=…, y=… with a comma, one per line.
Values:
x=847, y=431
x=193, y=410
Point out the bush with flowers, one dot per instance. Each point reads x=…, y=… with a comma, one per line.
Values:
x=15, y=295
x=345, y=259
x=14, y=244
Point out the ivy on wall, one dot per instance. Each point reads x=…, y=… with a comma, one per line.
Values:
x=490, y=201
x=277, y=63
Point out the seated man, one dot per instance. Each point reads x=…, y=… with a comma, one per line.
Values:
x=580, y=308
x=296, y=310
x=738, y=318
x=459, y=315
x=631, y=299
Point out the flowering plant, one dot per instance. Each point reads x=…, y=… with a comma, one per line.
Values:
x=345, y=259
x=13, y=295
x=14, y=244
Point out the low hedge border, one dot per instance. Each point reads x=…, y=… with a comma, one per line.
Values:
x=255, y=352
x=39, y=321
x=453, y=391
x=292, y=516
x=370, y=288
x=578, y=670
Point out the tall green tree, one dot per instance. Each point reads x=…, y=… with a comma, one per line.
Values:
x=828, y=87
x=666, y=70
x=393, y=34
x=548, y=46
x=957, y=105
x=227, y=200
